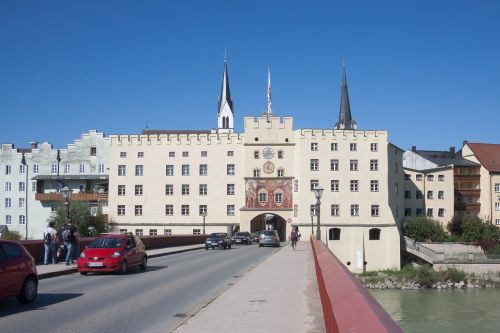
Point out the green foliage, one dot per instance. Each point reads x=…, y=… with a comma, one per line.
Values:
x=423, y=229
x=86, y=224
x=12, y=235
x=464, y=228
x=425, y=275
x=450, y=274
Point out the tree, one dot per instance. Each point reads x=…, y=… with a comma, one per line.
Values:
x=423, y=229
x=472, y=229
x=86, y=224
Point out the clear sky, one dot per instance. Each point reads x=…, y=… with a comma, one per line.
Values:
x=428, y=71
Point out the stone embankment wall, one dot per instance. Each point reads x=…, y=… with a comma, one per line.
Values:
x=388, y=284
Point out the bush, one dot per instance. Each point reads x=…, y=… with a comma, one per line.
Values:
x=423, y=229
x=12, y=235
x=450, y=274
x=425, y=276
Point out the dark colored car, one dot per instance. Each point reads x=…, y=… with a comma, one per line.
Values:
x=113, y=252
x=218, y=239
x=269, y=237
x=242, y=238
x=18, y=275
x=255, y=236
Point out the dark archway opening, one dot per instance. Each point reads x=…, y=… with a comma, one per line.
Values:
x=269, y=222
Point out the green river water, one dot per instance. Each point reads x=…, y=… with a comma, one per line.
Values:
x=443, y=311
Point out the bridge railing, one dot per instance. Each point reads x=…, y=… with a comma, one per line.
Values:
x=347, y=305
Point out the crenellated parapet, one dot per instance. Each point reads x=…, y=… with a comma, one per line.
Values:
x=342, y=135
x=174, y=139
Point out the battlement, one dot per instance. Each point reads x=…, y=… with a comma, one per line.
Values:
x=274, y=123
x=350, y=135
x=176, y=139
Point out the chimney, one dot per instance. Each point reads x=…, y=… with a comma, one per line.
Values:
x=34, y=144
x=414, y=148
x=452, y=151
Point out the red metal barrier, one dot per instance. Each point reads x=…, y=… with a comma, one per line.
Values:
x=347, y=305
x=36, y=248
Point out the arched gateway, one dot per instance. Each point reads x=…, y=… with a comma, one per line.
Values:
x=269, y=221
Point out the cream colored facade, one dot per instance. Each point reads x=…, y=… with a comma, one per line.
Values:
x=269, y=168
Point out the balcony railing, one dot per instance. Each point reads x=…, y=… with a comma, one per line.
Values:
x=74, y=196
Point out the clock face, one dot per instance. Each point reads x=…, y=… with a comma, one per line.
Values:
x=268, y=153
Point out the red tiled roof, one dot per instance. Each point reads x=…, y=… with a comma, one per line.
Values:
x=488, y=154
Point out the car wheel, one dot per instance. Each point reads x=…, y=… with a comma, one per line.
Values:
x=260, y=245
x=144, y=264
x=206, y=247
x=28, y=291
x=83, y=273
x=124, y=267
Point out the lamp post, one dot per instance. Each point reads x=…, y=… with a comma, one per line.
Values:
x=318, y=192
x=66, y=193
x=25, y=167
x=312, y=223
x=204, y=214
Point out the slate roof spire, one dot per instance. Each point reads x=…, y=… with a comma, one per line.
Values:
x=345, y=121
x=225, y=94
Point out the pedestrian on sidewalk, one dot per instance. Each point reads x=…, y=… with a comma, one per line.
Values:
x=69, y=240
x=294, y=235
x=49, y=242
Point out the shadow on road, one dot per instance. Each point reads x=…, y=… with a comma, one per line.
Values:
x=11, y=306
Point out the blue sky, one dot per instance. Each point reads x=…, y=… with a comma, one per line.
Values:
x=427, y=71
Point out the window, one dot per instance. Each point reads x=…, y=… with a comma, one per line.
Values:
x=441, y=178
x=418, y=177
x=334, y=146
x=295, y=185
x=230, y=170
x=167, y=232
x=334, y=165
x=430, y=178
x=53, y=169
x=334, y=185
x=203, y=189
x=36, y=168
x=407, y=211
x=123, y=154
x=202, y=209
x=185, y=189
x=353, y=146
x=353, y=165
x=335, y=210
x=22, y=169
x=497, y=221
x=171, y=154
x=138, y=210
x=8, y=203
x=256, y=173
x=33, y=186
x=497, y=187
x=140, y=154
x=497, y=206
x=440, y=194
x=230, y=153
x=262, y=197
x=169, y=170
x=121, y=170
x=185, y=210
x=196, y=232
x=22, y=219
x=430, y=212
x=314, y=146
x=230, y=210
x=8, y=170
x=295, y=210
x=354, y=185
x=203, y=170
x=430, y=195
x=139, y=232
x=204, y=153
x=314, y=183
x=22, y=186
x=138, y=189
x=407, y=176
x=312, y=209
x=93, y=151
x=314, y=165
x=169, y=210
x=278, y=197
x=139, y=170
x=82, y=168
x=185, y=169
x=169, y=189
x=375, y=210
x=121, y=210
x=67, y=168
x=280, y=154
x=21, y=202
x=153, y=232
x=374, y=185
x=185, y=154
x=334, y=234
x=407, y=194
x=418, y=212
x=373, y=147
x=8, y=186
x=354, y=210
x=8, y=219
x=441, y=212
x=419, y=195
x=121, y=190
x=373, y=165
x=101, y=167
x=230, y=189
x=256, y=154
x=281, y=172
x=374, y=234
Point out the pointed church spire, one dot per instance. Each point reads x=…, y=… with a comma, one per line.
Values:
x=269, y=106
x=225, y=94
x=225, y=112
x=345, y=121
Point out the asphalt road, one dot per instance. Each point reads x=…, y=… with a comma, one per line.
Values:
x=173, y=288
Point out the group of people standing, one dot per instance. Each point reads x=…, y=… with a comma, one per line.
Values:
x=57, y=242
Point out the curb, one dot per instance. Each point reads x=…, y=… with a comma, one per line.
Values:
x=74, y=269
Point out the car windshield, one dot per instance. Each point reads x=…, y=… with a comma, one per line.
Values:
x=106, y=242
x=217, y=235
x=241, y=234
x=268, y=233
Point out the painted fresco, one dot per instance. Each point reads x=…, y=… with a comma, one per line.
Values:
x=273, y=193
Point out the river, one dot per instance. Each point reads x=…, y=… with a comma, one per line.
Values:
x=443, y=311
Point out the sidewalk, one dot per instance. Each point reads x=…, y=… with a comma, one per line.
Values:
x=279, y=295
x=47, y=271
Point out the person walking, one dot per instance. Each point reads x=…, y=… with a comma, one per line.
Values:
x=49, y=242
x=69, y=240
x=293, y=237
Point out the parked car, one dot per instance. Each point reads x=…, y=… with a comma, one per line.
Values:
x=242, y=238
x=18, y=275
x=113, y=252
x=269, y=237
x=218, y=239
x=255, y=236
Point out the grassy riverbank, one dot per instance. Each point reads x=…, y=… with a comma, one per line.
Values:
x=410, y=277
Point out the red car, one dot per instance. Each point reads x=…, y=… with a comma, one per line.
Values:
x=113, y=253
x=18, y=276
